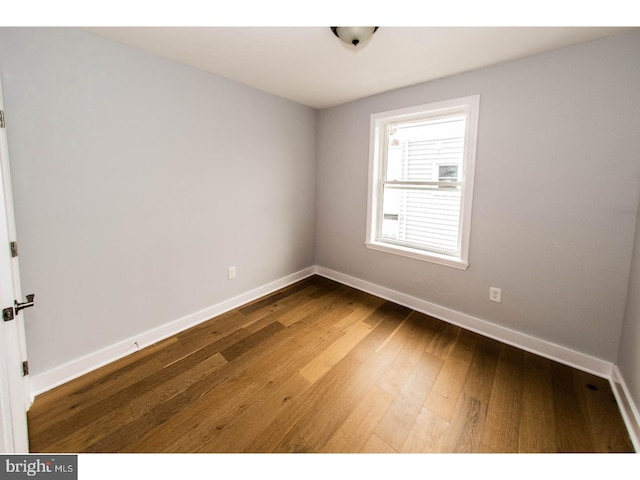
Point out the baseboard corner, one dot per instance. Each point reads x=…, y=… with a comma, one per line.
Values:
x=628, y=409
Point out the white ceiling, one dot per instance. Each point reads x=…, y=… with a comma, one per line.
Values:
x=311, y=66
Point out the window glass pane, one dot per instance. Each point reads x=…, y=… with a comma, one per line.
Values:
x=448, y=173
x=425, y=217
x=417, y=148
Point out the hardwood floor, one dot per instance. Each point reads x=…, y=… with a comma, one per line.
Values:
x=321, y=367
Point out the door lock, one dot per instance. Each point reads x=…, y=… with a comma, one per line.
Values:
x=27, y=304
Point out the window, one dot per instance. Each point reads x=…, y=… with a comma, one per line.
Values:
x=421, y=181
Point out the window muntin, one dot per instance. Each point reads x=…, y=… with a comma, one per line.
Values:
x=421, y=173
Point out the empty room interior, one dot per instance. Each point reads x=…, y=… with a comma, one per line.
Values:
x=214, y=223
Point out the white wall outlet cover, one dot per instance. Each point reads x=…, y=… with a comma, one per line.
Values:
x=495, y=294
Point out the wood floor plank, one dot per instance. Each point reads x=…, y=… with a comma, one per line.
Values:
x=239, y=410
x=467, y=426
x=395, y=426
x=602, y=408
x=285, y=428
x=427, y=435
x=572, y=430
x=443, y=339
x=246, y=344
x=194, y=352
x=486, y=449
x=354, y=372
x=256, y=418
x=241, y=382
x=384, y=321
x=327, y=359
x=270, y=303
x=322, y=367
x=479, y=381
x=93, y=430
x=176, y=385
x=326, y=286
x=318, y=303
x=362, y=312
x=183, y=427
x=354, y=432
x=321, y=424
x=537, y=419
x=208, y=332
x=503, y=415
x=119, y=398
x=405, y=349
x=376, y=445
x=68, y=399
x=383, y=346
x=269, y=314
x=444, y=395
x=263, y=322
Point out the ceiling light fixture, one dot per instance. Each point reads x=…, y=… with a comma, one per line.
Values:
x=353, y=35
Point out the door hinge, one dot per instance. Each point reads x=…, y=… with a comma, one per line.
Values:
x=7, y=314
x=2, y=123
x=25, y=368
x=14, y=249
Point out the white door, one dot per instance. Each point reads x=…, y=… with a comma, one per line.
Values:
x=15, y=396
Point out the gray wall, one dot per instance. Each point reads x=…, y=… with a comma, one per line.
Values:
x=138, y=181
x=629, y=356
x=555, y=201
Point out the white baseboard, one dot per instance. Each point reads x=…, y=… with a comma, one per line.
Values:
x=57, y=376
x=628, y=409
x=521, y=340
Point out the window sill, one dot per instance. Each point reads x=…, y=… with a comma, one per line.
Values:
x=419, y=255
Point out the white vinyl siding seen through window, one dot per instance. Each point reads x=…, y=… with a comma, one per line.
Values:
x=421, y=181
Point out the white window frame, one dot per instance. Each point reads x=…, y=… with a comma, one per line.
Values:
x=377, y=167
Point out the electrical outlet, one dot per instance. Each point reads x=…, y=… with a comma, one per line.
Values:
x=495, y=294
x=232, y=272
